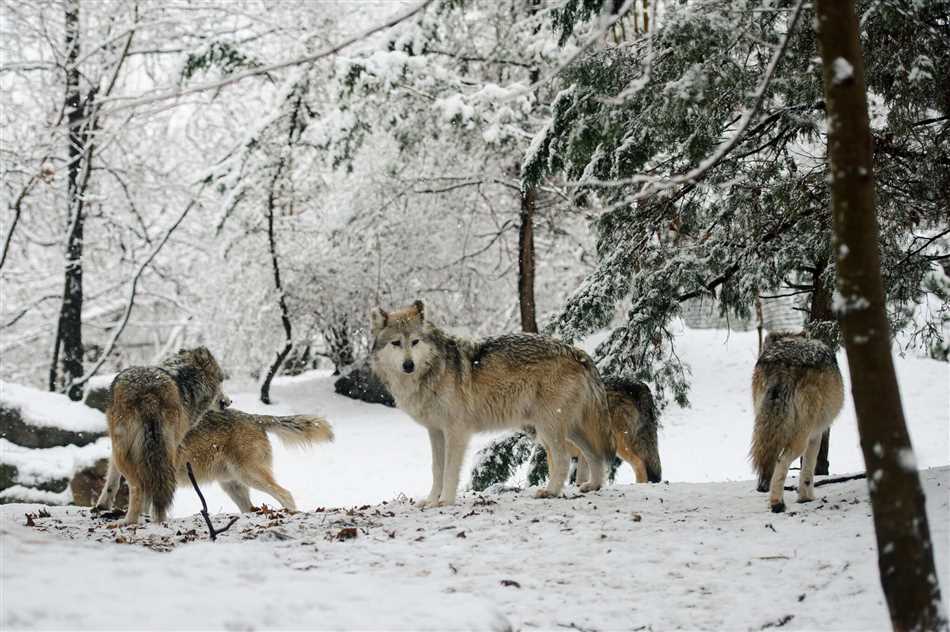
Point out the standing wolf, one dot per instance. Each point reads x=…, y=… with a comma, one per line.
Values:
x=797, y=392
x=150, y=411
x=232, y=448
x=456, y=387
x=633, y=421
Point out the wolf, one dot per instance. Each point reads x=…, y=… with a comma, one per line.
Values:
x=797, y=392
x=232, y=448
x=151, y=410
x=633, y=420
x=456, y=387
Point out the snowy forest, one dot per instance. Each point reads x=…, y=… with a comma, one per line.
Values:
x=662, y=183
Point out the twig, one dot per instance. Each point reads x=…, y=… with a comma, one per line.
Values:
x=829, y=481
x=133, y=286
x=204, y=508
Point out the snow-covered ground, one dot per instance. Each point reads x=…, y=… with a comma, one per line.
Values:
x=700, y=552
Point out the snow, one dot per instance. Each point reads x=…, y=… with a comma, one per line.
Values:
x=42, y=408
x=37, y=465
x=700, y=552
x=684, y=555
x=842, y=70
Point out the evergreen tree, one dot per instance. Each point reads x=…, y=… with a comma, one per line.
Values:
x=701, y=145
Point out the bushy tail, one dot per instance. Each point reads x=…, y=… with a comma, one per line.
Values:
x=773, y=422
x=298, y=430
x=158, y=457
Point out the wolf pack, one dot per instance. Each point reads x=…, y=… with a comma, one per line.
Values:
x=168, y=421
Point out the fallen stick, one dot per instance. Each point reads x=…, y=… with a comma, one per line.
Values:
x=829, y=481
x=204, y=508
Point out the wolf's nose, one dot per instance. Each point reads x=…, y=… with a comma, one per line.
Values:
x=224, y=402
x=408, y=366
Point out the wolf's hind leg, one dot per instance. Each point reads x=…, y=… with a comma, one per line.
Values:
x=437, y=443
x=239, y=493
x=594, y=463
x=135, y=507
x=110, y=488
x=776, y=488
x=455, y=445
x=806, y=478
x=263, y=480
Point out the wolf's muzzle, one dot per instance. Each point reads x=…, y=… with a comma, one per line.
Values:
x=408, y=366
x=224, y=402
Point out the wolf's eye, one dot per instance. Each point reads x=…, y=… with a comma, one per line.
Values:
x=397, y=343
x=415, y=342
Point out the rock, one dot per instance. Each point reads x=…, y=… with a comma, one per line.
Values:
x=14, y=429
x=362, y=384
x=98, y=396
x=87, y=483
x=7, y=475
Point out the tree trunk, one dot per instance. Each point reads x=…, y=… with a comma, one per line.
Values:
x=529, y=322
x=281, y=298
x=69, y=328
x=905, y=553
x=296, y=127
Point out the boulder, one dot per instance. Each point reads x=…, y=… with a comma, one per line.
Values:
x=33, y=418
x=87, y=483
x=362, y=384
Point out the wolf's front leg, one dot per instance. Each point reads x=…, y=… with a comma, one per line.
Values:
x=559, y=463
x=437, y=443
x=455, y=444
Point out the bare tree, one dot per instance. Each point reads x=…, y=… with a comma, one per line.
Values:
x=905, y=553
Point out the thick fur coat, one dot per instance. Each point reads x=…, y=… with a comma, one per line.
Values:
x=151, y=409
x=797, y=392
x=456, y=387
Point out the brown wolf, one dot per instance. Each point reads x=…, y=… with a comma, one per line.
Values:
x=633, y=421
x=232, y=448
x=150, y=411
x=797, y=392
x=456, y=387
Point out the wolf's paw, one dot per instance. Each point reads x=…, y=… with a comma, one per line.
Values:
x=589, y=487
x=777, y=507
x=806, y=497
x=543, y=493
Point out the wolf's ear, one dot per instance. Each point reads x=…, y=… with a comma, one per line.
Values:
x=378, y=319
x=203, y=356
x=420, y=309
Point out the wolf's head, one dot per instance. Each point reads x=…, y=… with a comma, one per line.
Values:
x=201, y=375
x=401, y=340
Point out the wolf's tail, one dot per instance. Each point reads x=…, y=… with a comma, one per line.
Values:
x=298, y=430
x=158, y=452
x=773, y=423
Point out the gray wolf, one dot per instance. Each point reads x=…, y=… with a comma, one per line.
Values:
x=150, y=411
x=633, y=421
x=456, y=387
x=232, y=448
x=797, y=392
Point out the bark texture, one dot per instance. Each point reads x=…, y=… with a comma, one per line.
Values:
x=905, y=553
